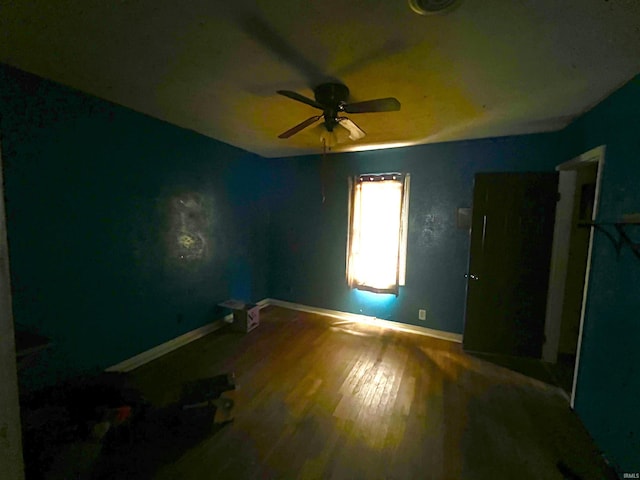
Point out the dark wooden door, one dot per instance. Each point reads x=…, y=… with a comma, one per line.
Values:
x=511, y=236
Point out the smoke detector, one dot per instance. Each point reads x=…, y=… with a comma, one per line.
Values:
x=433, y=7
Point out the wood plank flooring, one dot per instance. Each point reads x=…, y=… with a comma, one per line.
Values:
x=320, y=398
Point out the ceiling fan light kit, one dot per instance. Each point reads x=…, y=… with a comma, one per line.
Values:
x=331, y=139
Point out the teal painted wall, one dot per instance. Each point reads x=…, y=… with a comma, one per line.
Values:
x=124, y=231
x=608, y=385
x=308, y=237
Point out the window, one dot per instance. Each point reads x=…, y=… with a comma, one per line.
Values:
x=377, y=239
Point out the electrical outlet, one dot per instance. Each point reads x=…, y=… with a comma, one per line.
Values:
x=422, y=314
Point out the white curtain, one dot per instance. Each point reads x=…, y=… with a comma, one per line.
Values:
x=377, y=239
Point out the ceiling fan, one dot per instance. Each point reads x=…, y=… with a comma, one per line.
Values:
x=332, y=98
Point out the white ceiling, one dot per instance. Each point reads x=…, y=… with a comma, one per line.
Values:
x=489, y=68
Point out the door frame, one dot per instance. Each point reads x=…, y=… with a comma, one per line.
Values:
x=560, y=249
x=11, y=460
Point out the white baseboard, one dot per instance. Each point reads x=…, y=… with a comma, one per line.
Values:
x=186, y=338
x=173, y=344
x=353, y=317
x=166, y=347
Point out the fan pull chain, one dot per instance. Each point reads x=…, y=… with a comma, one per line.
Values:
x=322, y=167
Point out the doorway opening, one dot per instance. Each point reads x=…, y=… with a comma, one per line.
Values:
x=579, y=193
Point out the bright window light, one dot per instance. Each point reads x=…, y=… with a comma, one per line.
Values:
x=376, y=257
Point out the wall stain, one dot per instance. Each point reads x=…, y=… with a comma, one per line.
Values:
x=188, y=237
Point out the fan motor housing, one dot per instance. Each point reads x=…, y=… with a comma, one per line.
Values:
x=433, y=7
x=331, y=94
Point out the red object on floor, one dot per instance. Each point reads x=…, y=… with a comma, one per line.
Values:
x=123, y=413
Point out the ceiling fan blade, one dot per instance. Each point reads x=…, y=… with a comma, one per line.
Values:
x=260, y=30
x=300, y=98
x=389, y=104
x=300, y=126
x=355, y=132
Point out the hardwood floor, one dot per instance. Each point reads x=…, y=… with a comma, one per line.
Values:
x=323, y=398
